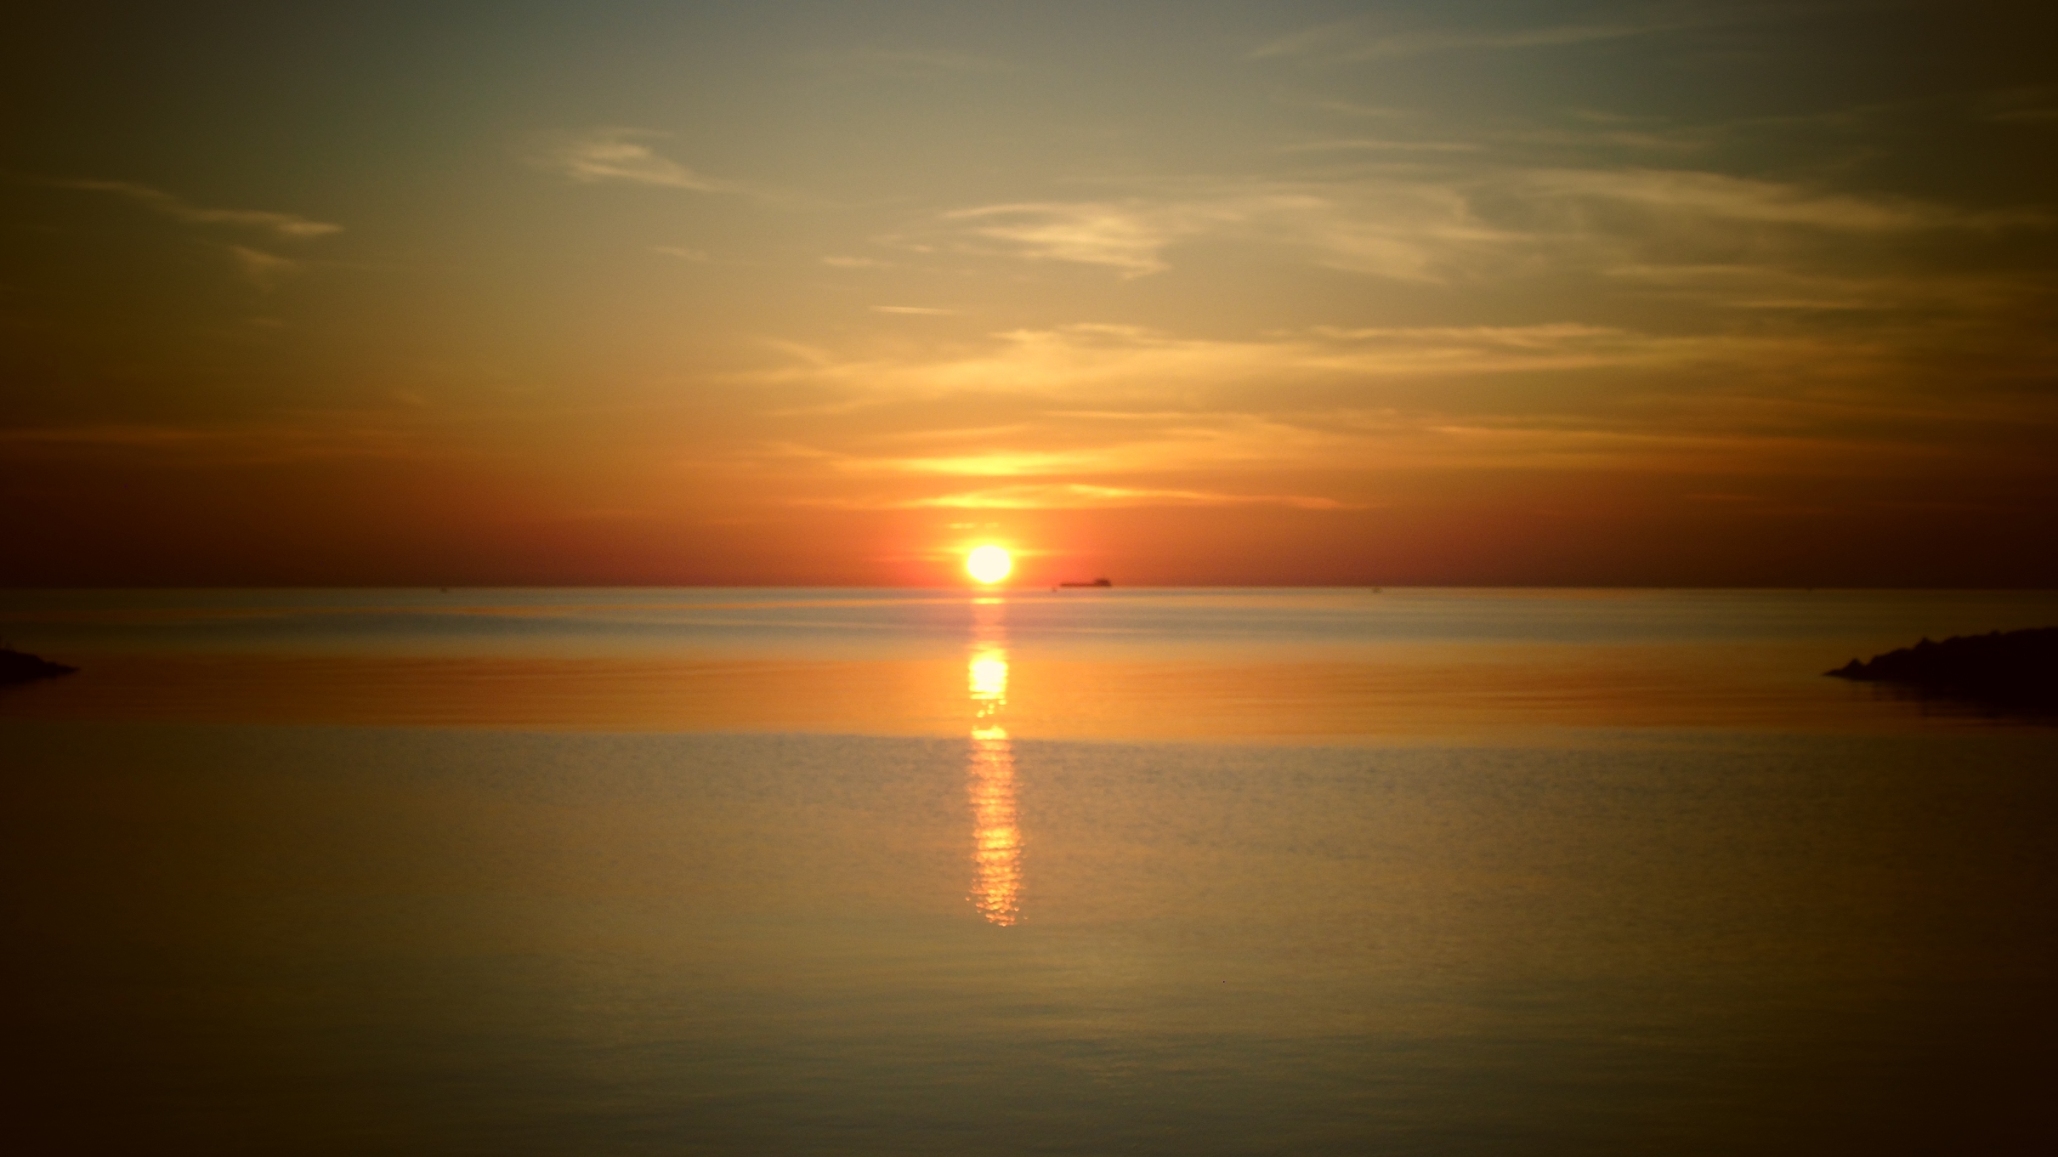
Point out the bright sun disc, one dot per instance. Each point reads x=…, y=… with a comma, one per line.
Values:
x=989, y=564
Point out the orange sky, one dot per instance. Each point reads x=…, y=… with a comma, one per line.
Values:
x=1199, y=293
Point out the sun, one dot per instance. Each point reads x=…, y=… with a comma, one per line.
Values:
x=989, y=563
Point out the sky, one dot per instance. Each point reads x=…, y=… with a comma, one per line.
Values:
x=1674, y=293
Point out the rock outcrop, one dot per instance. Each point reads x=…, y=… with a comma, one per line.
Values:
x=20, y=667
x=2011, y=668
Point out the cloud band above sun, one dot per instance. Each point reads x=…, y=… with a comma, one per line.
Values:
x=1687, y=292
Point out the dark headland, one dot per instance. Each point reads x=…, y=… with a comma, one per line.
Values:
x=2016, y=669
x=20, y=667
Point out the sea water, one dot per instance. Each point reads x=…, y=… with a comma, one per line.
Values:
x=664, y=871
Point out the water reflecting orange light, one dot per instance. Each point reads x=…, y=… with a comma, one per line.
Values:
x=990, y=777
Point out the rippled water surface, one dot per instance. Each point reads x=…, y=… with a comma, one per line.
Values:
x=912, y=872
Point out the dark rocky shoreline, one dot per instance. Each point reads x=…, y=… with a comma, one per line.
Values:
x=20, y=667
x=2015, y=669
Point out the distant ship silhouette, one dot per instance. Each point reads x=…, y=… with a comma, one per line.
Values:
x=1099, y=582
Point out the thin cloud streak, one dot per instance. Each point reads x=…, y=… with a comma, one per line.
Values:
x=1355, y=453
x=1447, y=223
x=1086, y=496
x=316, y=437
x=1722, y=197
x=1408, y=231
x=1101, y=362
x=1745, y=286
x=284, y=224
x=1452, y=262
x=1205, y=444
x=1360, y=40
x=875, y=62
x=619, y=155
x=1139, y=410
x=1375, y=145
x=1127, y=238
x=264, y=270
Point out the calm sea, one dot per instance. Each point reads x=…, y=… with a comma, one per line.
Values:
x=910, y=872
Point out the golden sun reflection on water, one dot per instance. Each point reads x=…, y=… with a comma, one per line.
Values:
x=990, y=783
x=996, y=840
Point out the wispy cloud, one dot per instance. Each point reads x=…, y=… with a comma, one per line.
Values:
x=1324, y=417
x=1321, y=460
x=1072, y=461
x=1455, y=219
x=873, y=61
x=284, y=224
x=1086, y=496
x=2029, y=105
x=622, y=154
x=1611, y=140
x=1719, y=196
x=1772, y=287
x=1403, y=230
x=265, y=270
x=1366, y=39
x=1348, y=108
x=1129, y=238
x=1376, y=145
x=1580, y=131
x=313, y=436
x=1123, y=367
